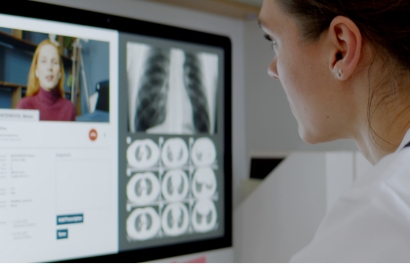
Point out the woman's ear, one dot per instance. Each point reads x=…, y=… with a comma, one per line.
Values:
x=37, y=74
x=346, y=41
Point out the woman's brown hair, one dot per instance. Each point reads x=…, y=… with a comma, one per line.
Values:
x=385, y=24
x=33, y=85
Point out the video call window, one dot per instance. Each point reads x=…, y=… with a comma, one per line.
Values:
x=64, y=78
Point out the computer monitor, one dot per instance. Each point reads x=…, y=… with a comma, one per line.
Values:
x=115, y=137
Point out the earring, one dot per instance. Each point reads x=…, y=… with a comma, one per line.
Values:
x=340, y=73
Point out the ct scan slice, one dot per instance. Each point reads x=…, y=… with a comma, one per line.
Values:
x=143, y=224
x=175, y=185
x=204, y=183
x=175, y=219
x=143, y=188
x=174, y=153
x=203, y=152
x=143, y=153
x=204, y=216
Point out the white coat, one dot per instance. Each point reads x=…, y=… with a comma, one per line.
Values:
x=371, y=221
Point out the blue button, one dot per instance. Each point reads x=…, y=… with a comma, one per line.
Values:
x=62, y=234
x=70, y=219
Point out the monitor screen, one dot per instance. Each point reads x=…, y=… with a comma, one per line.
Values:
x=115, y=137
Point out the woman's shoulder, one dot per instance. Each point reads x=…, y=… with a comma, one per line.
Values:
x=380, y=189
x=371, y=221
x=393, y=171
x=26, y=103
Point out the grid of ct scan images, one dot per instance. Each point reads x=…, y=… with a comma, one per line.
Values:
x=172, y=187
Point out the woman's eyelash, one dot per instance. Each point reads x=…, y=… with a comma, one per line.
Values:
x=268, y=38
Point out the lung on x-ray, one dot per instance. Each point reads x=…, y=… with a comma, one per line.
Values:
x=171, y=91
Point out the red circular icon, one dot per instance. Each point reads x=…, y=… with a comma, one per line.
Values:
x=93, y=134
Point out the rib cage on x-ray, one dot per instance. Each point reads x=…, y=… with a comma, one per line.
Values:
x=153, y=89
x=152, y=96
x=195, y=89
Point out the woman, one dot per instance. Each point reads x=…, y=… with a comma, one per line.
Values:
x=345, y=67
x=45, y=85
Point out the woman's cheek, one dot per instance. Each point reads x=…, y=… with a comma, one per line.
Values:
x=57, y=68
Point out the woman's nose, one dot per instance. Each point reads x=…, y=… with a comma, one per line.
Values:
x=273, y=70
x=50, y=65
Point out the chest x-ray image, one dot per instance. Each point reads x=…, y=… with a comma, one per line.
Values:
x=171, y=91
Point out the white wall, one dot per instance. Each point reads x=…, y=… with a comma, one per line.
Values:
x=281, y=216
x=185, y=18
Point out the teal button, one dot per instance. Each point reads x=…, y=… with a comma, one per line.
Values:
x=62, y=234
x=70, y=219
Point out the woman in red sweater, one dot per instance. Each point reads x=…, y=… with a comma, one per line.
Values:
x=45, y=85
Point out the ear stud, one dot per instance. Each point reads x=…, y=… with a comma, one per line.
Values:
x=340, y=73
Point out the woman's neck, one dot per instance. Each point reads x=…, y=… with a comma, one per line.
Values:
x=383, y=111
x=385, y=133
x=48, y=97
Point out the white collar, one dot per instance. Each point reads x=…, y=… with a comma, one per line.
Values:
x=406, y=139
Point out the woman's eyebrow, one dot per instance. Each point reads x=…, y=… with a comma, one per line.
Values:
x=262, y=24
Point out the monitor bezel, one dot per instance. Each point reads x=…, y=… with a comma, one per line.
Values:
x=71, y=15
